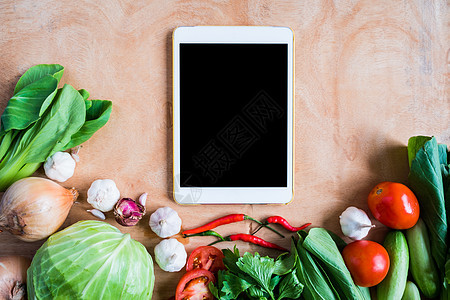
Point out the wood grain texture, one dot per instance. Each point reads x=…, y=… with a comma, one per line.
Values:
x=368, y=75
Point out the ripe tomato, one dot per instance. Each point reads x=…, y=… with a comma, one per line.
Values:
x=206, y=257
x=194, y=285
x=367, y=261
x=394, y=205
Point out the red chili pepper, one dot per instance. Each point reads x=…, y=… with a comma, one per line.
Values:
x=254, y=240
x=221, y=221
x=238, y=237
x=233, y=218
x=282, y=221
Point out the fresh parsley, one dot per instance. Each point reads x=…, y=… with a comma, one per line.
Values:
x=255, y=277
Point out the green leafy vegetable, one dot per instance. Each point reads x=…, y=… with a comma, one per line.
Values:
x=290, y=287
x=284, y=263
x=314, y=269
x=230, y=259
x=256, y=277
x=320, y=244
x=427, y=182
x=28, y=105
x=316, y=285
x=91, y=260
x=96, y=117
x=259, y=268
x=40, y=120
x=429, y=179
x=37, y=72
x=234, y=285
x=414, y=145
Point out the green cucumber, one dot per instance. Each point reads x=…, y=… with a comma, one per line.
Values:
x=411, y=292
x=393, y=286
x=423, y=268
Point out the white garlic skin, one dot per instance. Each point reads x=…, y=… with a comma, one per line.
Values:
x=60, y=166
x=170, y=255
x=103, y=194
x=355, y=223
x=97, y=213
x=143, y=199
x=165, y=222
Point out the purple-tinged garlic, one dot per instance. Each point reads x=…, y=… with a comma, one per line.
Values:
x=128, y=212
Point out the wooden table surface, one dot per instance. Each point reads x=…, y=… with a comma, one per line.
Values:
x=368, y=75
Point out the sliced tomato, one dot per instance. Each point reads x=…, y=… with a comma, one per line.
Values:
x=206, y=257
x=194, y=285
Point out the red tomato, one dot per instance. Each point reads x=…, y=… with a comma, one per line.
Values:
x=206, y=257
x=367, y=261
x=194, y=285
x=394, y=205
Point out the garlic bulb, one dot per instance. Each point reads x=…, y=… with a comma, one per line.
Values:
x=103, y=194
x=355, y=223
x=170, y=255
x=60, y=166
x=165, y=222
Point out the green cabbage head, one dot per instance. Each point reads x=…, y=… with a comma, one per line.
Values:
x=91, y=260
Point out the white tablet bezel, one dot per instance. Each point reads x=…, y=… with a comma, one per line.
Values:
x=234, y=35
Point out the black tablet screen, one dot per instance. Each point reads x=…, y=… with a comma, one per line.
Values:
x=233, y=115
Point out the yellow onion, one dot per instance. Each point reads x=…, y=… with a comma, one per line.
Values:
x=13, y=277
x=33, y=208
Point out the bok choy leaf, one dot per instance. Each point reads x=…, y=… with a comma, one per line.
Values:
x=41, y=119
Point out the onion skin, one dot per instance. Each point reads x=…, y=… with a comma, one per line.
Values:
x=13, y=277
x=128, y=212
x=33, y=208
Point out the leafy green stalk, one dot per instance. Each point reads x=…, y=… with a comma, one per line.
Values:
x=311, y=276
x=320, y=244
x=426, y=181
x=46, y=136
x=26, y=170
x=7, y=140
x=40, y=120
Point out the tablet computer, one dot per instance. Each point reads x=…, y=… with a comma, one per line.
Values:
x=233, y=114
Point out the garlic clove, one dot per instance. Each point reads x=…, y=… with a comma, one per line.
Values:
x=170, y=255
x=165, y=222
x=103, y=194
x=60, y=166
x=97, y=213
x=355, y=223
x=143, y=199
